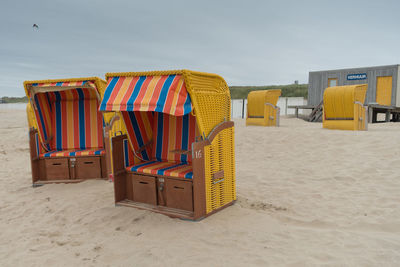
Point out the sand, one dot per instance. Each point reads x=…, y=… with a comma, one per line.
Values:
x=306, y=196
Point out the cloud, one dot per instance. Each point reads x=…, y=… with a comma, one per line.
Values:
x=246, y=42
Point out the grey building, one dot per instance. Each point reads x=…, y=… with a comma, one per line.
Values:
x=383, y=83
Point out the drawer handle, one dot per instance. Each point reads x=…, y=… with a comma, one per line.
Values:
x=143, y=182
x=57, y=164
x=178, y=187
x=88, y=162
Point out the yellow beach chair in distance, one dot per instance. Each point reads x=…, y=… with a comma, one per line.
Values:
x=344, y=108
x=262, y=109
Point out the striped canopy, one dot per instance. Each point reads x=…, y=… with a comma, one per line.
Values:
x=57, y=86
x=161, y=93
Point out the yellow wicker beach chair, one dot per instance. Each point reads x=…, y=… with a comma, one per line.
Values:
x=175, y=154
x=344, y=108
x=262, y=109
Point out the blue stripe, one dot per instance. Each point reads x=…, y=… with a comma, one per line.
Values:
x=107, y=93
x=48, y=154
x=187, y=107
x=82, y=141
x=164, y=93
x=135, y=93
x=58, y=122
x=41, y=117
x=98, y=152
x=159, y=143
x=162, y=171
x=189, y=175
x=126, y=153
x=185, y=136
x=59, y=83
x=135, y=168
x=138, y=135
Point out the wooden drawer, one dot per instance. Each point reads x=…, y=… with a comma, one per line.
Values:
x=143, y=189
x=87, y=167
x=179, y=194
x=57, y=169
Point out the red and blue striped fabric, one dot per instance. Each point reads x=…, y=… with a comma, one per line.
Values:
x=69, y=120
x=139, y=127
x=43, y=113
x=173, y=133
x=76, y=122
x=166, y=93
x=166, y=168
x=73, y=153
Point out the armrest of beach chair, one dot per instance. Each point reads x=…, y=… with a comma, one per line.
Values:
x=272, y=113
x=360, y=116
x=219, y=166
x=180, y=151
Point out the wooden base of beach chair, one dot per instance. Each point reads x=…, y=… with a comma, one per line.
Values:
x=65, y=169
x=174, y=196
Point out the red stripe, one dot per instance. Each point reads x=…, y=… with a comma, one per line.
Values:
x=115, y=91
x=156, y=93
x=142, y=92
x=171, y=94
x=129, y=91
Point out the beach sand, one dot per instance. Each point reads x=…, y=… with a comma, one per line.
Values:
x=306, y=196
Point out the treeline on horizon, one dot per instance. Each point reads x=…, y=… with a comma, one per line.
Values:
x=7, y=99
x=290, y=90
x=237, y=92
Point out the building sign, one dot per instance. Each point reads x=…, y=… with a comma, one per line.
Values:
x=358, y=76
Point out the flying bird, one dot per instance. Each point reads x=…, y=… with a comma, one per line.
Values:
x=35, y=26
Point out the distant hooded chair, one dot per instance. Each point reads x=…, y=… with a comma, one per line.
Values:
x=66, y=130
x=344, y=108
x=262, y=109
x=176, y=154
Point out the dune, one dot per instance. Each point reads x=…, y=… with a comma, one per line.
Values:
x=306, y=196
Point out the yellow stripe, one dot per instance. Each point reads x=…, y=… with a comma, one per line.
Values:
x=172, y=137
x=122, y=91
x=149, y=93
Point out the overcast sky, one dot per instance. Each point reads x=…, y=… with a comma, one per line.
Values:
x=246, y=42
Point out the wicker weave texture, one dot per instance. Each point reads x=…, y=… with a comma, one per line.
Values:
x=219, y=156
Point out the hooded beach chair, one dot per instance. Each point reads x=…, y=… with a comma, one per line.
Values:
x=344, y=108
x=177, y=156
x=262, y=109
x=66, y=130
